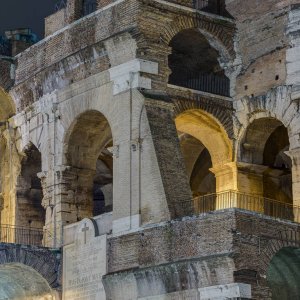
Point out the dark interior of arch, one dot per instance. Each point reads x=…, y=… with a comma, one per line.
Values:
x=278, y=177
x=213, y=6
x=198, y=163
x=90, y=154
x=202, y=180
x=283, y=275
x=29, y=191
x=194, y=64
x=265, y=143
x=19, y=282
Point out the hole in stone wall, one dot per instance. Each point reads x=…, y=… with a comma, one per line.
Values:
x=276, y=77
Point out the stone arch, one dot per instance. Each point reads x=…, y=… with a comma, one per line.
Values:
x=222, y=36
x=209, y=131
x=222, y=112
x=259, y=129
x=276, y=104
x=195, y=62
x=89, y=156
x=263, y=147
x=283, y=276
x=43, y=261
x=283, y=239
x=16, y=283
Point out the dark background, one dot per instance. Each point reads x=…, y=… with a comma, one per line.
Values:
x=25, y=14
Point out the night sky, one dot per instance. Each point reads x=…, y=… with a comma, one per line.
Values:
x=25, y=13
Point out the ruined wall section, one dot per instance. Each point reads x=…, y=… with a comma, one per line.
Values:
x=234, y=245
x=96, y=42
x=262, y=42
x=76, y=51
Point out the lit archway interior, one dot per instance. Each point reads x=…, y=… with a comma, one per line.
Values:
x=265, y=144
x=20, y=282
x=29, y=209
x=194, y=64
x=89, y=153
x=283, y=274
x=198, y=164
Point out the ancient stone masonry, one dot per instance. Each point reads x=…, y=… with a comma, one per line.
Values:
x=157, y=145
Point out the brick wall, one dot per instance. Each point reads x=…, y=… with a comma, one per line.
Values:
x=55, y=22
x=250, y=239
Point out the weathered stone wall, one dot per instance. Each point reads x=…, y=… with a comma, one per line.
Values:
x=235, y=245
x=263, y=42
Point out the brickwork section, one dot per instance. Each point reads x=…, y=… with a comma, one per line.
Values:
x=44, y=261
x=80, y=65
x=5, y=77
x=170, y=159
x=246, y=237
x=140, y=18
x=55, y=22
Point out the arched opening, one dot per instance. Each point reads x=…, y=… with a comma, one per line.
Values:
x=206, y=150
x=198, y=164
x=89, y=153
x=30, y=213
x=283, y=274
x=21, y=282
x=265, y=143
x=195, y=64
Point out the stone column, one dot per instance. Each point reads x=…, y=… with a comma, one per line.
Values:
x=68, y=198
x=150, y=184
x=235, y=182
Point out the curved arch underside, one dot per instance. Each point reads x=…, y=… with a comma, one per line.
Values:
x=211, y=134
x=284, y=274
x=89, y=135
x=19, y=282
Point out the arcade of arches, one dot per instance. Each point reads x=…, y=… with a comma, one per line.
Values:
x=263, y=170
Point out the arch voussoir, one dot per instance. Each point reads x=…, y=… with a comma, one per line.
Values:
x=42, y=260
